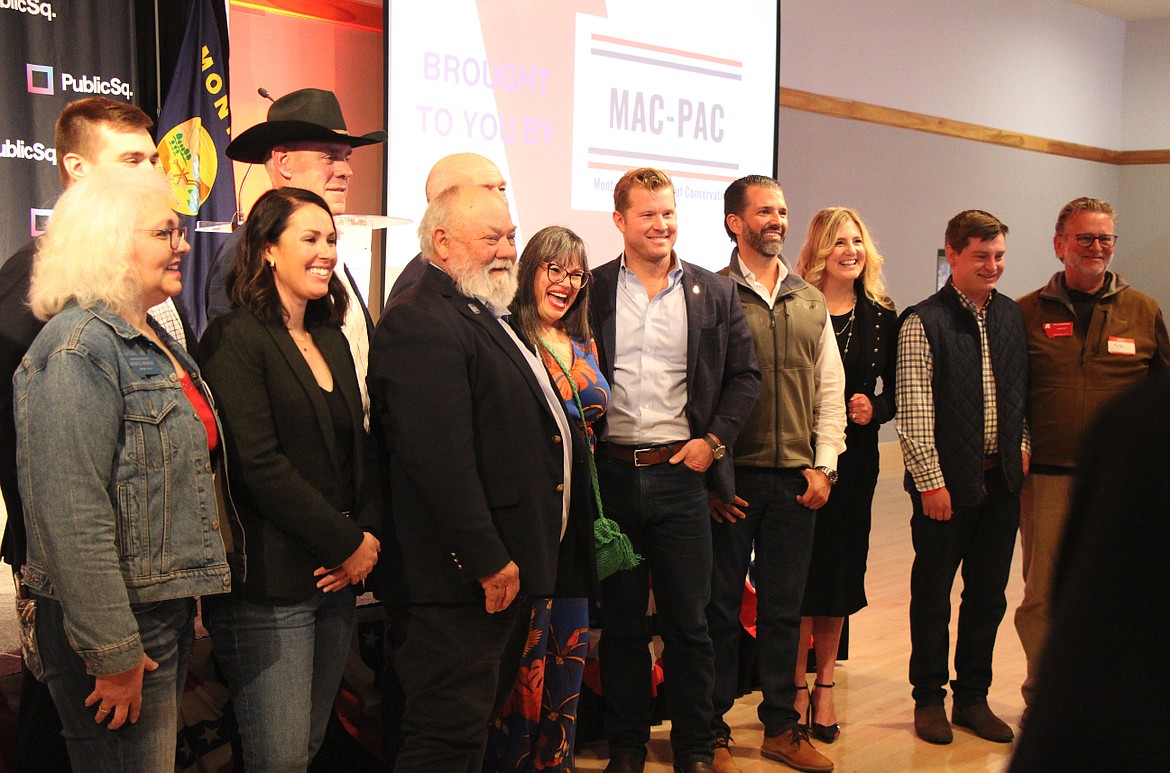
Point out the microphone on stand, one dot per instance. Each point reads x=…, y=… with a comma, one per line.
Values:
x=238, y=219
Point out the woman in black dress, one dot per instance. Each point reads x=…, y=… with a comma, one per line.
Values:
x=840, y=259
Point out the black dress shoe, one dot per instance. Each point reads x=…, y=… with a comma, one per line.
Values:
x=694, y=767
x=625, y=762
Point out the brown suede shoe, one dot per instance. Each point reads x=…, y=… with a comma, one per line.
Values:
x=930, y=722
x=723, y=762
x=978, y=717
x=793, y=749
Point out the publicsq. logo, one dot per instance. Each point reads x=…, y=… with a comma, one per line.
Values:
x=38, y=221
x=31, y=7
x=29, y=151
x=39, y=78
x=190, y=162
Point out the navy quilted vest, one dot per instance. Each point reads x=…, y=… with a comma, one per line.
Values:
x=958, y=392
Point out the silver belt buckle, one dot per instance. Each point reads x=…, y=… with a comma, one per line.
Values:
x=640, y=450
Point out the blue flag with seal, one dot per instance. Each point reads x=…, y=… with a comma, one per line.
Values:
x=194, y=128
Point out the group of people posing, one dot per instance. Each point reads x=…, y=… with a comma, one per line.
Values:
x=521, y=442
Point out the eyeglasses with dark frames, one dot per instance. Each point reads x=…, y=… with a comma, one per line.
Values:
x=1086, y=240
x=558, y=273
x=176, y=235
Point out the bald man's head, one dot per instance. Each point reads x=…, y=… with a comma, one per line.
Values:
x=464, y=169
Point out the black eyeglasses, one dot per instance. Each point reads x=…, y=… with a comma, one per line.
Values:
x=176, y=235
x=557, y=274
x=1086, y=240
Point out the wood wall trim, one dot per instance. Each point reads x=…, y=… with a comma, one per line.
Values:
x=904, y=119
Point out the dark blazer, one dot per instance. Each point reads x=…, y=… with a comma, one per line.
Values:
x=1112, y=584
x=282, y=454
x=18, y=328
x=408, y=277
x=723, y=381
x=474, y=454
x=876, y=335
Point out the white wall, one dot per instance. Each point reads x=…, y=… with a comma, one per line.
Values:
x=907, y=185
x=1143, y=221
x=1145, y=102
x=1043, y=67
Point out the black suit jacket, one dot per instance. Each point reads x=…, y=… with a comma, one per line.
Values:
x=18, y=328
x=723, y=381
x=474, y=454
x=282, y=453
x=408, y=277
x=1112, y=584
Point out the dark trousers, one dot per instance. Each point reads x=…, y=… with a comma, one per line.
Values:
x=979, y=539
x=39, y=743
x=457, y=666
x=663, y=509
x=782, y=531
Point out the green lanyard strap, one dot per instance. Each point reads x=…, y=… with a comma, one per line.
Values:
x=613, y=549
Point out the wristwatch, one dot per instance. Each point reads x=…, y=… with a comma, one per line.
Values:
x=829, y=472
x=718, y=450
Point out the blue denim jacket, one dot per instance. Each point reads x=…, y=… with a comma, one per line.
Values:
x=116, y=479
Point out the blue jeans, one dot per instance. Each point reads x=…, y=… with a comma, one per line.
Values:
x=663, y=510
x=981, y=540
x=782, y=530
x=167, y=629
x=283, y=663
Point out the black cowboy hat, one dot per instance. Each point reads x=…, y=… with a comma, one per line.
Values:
x=311, y=115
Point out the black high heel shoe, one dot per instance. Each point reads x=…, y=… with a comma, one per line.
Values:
x=803, y=721
x=824, y=733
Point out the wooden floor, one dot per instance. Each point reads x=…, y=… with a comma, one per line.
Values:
x=873, y=694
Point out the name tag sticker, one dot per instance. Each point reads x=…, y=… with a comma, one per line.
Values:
x=1058, y=329
x=143, y=364
x=1121, y=345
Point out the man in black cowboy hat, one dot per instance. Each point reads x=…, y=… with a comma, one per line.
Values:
x=303, y=143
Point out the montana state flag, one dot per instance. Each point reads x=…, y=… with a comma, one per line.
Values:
x=194, y=128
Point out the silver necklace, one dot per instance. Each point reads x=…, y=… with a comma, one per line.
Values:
x=848, y=326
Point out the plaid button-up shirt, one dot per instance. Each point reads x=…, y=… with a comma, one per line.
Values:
x=916, y=399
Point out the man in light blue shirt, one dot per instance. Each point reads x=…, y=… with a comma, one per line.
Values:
x=676, y=349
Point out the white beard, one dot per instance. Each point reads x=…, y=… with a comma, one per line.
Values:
x=481, y=283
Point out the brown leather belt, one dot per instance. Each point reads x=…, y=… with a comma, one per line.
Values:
x=990, y=462
x=645, y=456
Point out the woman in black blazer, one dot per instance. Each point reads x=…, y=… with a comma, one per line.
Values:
x=284, y=379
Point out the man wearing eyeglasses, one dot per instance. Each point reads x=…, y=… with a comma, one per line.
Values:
x=1090, y=336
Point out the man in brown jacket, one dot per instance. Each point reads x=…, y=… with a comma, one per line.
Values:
x=1090, y=336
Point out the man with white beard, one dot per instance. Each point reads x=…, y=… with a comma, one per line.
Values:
x=475, y=442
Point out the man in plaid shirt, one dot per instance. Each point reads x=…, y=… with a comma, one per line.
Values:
x=962, y=387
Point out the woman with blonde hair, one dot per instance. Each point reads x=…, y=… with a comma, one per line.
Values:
x=840, y=259
x=116, y=439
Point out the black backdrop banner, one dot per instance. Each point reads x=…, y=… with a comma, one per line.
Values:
x=51, y=53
